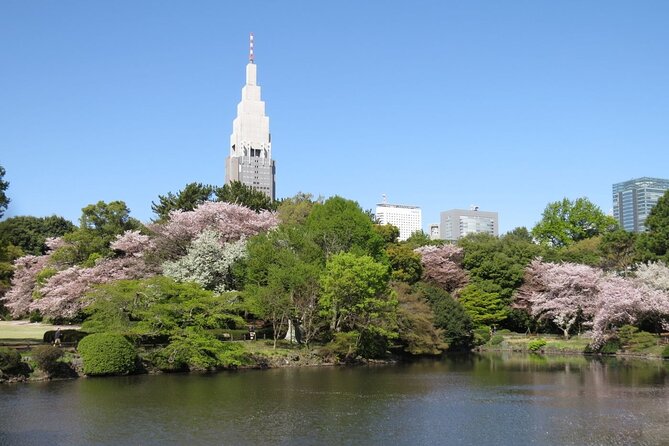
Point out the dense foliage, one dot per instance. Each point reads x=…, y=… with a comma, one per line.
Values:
x=321, y=272
x=107, y=354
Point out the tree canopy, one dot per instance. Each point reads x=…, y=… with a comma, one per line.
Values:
x=566, y=222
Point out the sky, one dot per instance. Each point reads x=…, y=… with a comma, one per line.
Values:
x=506, y=105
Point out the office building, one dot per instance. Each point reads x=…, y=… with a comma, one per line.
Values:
x=457, y=223
x=633, y=200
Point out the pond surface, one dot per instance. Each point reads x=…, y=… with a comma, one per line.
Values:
x=471, y=400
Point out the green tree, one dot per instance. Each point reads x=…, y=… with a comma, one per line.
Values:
x=30, y=233
x=355, y=297
x=187, y=199
x=420, y=238
x=295, y=210
x=239, y=193
x=282, y=281
x=405, y=263
x=484, y=303
x=4, y=199
x=416, y=325
x=449, y=316
x=388, y=232
x=566, y=222
x=99, y=225
x=654, y=243
x=340, y=225
x=618, y=250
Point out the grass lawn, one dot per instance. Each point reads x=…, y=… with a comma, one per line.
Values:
x=24, y=330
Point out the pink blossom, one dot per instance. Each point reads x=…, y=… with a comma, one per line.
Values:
x=131, y=243
x=443, y=266
x=20, y=296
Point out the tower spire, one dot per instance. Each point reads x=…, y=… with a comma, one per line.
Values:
x=251, y=59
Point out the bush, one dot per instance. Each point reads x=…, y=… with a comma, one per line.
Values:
x=107, y=354
x=536, y=344
x=481, y=335
x=35, y=316
x=665, y=352
x=47, y=358
x=610, y=347
x=10, y=360
x=342, y=347
x=496, y=339
x=192, y=350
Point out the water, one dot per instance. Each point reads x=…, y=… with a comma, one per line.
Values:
x=477, y=400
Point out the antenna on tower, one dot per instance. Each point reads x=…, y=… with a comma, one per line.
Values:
x=383, y=199
x=251, y=59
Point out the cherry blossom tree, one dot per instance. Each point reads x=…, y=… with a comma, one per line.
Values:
x=559, y=292
x=442, y=265
x=207, y=262
x=654, y=274
x=20, y=296
x=230, y=221
x=131, y=243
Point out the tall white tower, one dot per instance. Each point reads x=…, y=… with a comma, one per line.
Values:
x=250, y=160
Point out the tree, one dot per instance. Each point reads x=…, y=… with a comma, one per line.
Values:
x=415, y=320
x=405, y=263
x=654, y=243
x=230, y=221
x=340, y=225
x=562, y=293
x=420, y=238
x=4, y=200
x=618, y=250
x=565, y=222
x=355, y=295
x=208, y=262
x=282, y=281
x=449, y=316
x=187, y=199
x=296, y=210
x=30, y=233
x=239, y=193
x=387, y=232
x=654, y=274
x=483, y=302
x=443, y=266
x=99, y=225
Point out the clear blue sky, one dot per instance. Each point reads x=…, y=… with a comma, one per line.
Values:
x=508, y=105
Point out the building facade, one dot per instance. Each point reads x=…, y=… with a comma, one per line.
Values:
x=633, y=200
x=250, y=160
x=407, y=218
x=457, y=223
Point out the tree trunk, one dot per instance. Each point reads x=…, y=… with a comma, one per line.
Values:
x=290, y=334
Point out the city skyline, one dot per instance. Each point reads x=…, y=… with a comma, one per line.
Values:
x=440, y=105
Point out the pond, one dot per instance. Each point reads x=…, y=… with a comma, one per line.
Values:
x=490, y=399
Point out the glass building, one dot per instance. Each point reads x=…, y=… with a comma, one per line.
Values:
x=633, y=200
x=457, y=223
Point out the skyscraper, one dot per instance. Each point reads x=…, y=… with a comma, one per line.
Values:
x=250, y=160
x=633, y=200
x=457, y=223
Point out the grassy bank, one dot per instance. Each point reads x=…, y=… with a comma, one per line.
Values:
x=642, y=345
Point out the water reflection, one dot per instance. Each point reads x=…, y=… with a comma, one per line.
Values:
x=472, y=399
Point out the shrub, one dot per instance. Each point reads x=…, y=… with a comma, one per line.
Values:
x=10, y=360
x=107, y=354
x=35, y=316
x=496, y=339
x=193, y=350
x=481, y=335
x=641, y=341
x=343, y=347
x=665, y=352
x=46, y=357
x=610, y=347
x=536, y=344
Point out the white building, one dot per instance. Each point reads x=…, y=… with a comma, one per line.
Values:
x=250, y=159
x=457, y=223
x=407, y=218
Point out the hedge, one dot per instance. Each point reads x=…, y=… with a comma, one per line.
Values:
x=107, y=354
